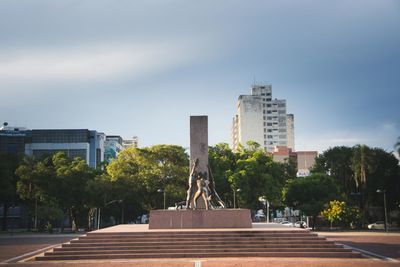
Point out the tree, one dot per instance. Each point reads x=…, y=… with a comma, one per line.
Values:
x=56, y=181
x=222, y=161
x=258, y=175
x=339, y=211
x=141, y=171
x=334, y=211
x=362, y=167
x=337, y=163
x=309, y=194
x=8, y=183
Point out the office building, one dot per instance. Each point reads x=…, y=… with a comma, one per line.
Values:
x=262, y=119
x=13, y=139
x=134, y=142
x=83, y=143
x=112, y=147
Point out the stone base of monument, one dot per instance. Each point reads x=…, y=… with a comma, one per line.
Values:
x=186, y=219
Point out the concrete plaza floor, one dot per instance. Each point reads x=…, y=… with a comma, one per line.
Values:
x=384, y=245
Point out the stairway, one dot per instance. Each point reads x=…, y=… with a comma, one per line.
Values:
x=198, y=244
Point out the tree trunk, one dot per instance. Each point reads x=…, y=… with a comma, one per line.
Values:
x=62, y=222
x=74, y=225
x=313, y=222
x=5, y=215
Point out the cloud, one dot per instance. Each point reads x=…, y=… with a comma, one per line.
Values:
x=94, y=62
x=383, y=135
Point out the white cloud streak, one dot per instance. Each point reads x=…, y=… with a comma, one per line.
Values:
x=384, y=135
x=93, y=62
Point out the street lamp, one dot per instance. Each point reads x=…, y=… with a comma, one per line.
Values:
x=234, y=196
x=384, y=206
x=265, y=202
x=162, y=191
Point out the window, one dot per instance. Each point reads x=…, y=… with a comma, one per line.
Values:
x=268, y=124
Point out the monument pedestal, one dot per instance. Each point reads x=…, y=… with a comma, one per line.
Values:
x=187, y=219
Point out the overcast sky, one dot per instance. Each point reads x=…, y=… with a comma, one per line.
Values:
x=143, y=67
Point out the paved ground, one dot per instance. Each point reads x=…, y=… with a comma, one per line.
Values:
x=19, y=244
x=381, y=243
x=386, y=244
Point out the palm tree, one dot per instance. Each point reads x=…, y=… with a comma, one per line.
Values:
x=397, y=145
x=362, y=167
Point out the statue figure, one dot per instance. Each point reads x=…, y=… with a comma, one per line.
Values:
x=192, y=182
x=202, y=190
x=205, y=187
x=213, y=193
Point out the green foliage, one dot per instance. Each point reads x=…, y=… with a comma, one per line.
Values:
x=140, y=172
x=253, y=171
x=339, y=211
x=362, y=170
x=8, y=183
x=56, y=180
x=337, y=162
x=334, y=211
x=309, y=194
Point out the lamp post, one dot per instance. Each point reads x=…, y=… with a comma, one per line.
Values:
x=162, y=191
x=234, y=196
x=384, y=206
x=265, y=202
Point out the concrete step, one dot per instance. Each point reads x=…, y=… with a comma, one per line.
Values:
x=191, y=242
x=180, y=246
x=198, y=244
x=200, y=232
x=196, y=250
x=344, y=254
x=179, y=239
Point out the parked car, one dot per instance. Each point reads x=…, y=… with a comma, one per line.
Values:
x=287, y=223
x=142, y=219
x=300, y=224
x=260, y=216
x=377, y=225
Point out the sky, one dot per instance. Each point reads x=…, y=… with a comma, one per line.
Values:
x=141, y=68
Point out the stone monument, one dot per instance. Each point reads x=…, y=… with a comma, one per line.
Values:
x=202, y=197
x=201, y=182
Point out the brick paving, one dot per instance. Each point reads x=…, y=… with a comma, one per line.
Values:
x=381, y=243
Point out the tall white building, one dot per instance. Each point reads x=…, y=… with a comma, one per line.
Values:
x=290, y=131
x=262, y=119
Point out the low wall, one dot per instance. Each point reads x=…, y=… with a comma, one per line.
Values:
x=186, y=219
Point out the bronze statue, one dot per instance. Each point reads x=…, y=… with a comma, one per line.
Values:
x=213, y=193
x=204, y=181
x=192, y=183
x=202, y=190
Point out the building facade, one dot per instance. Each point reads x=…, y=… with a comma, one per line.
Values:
x=290, y=131
x=83, y=143
x=134, y=142
x=112, y=147
x=305, y=160
x=262, y=119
